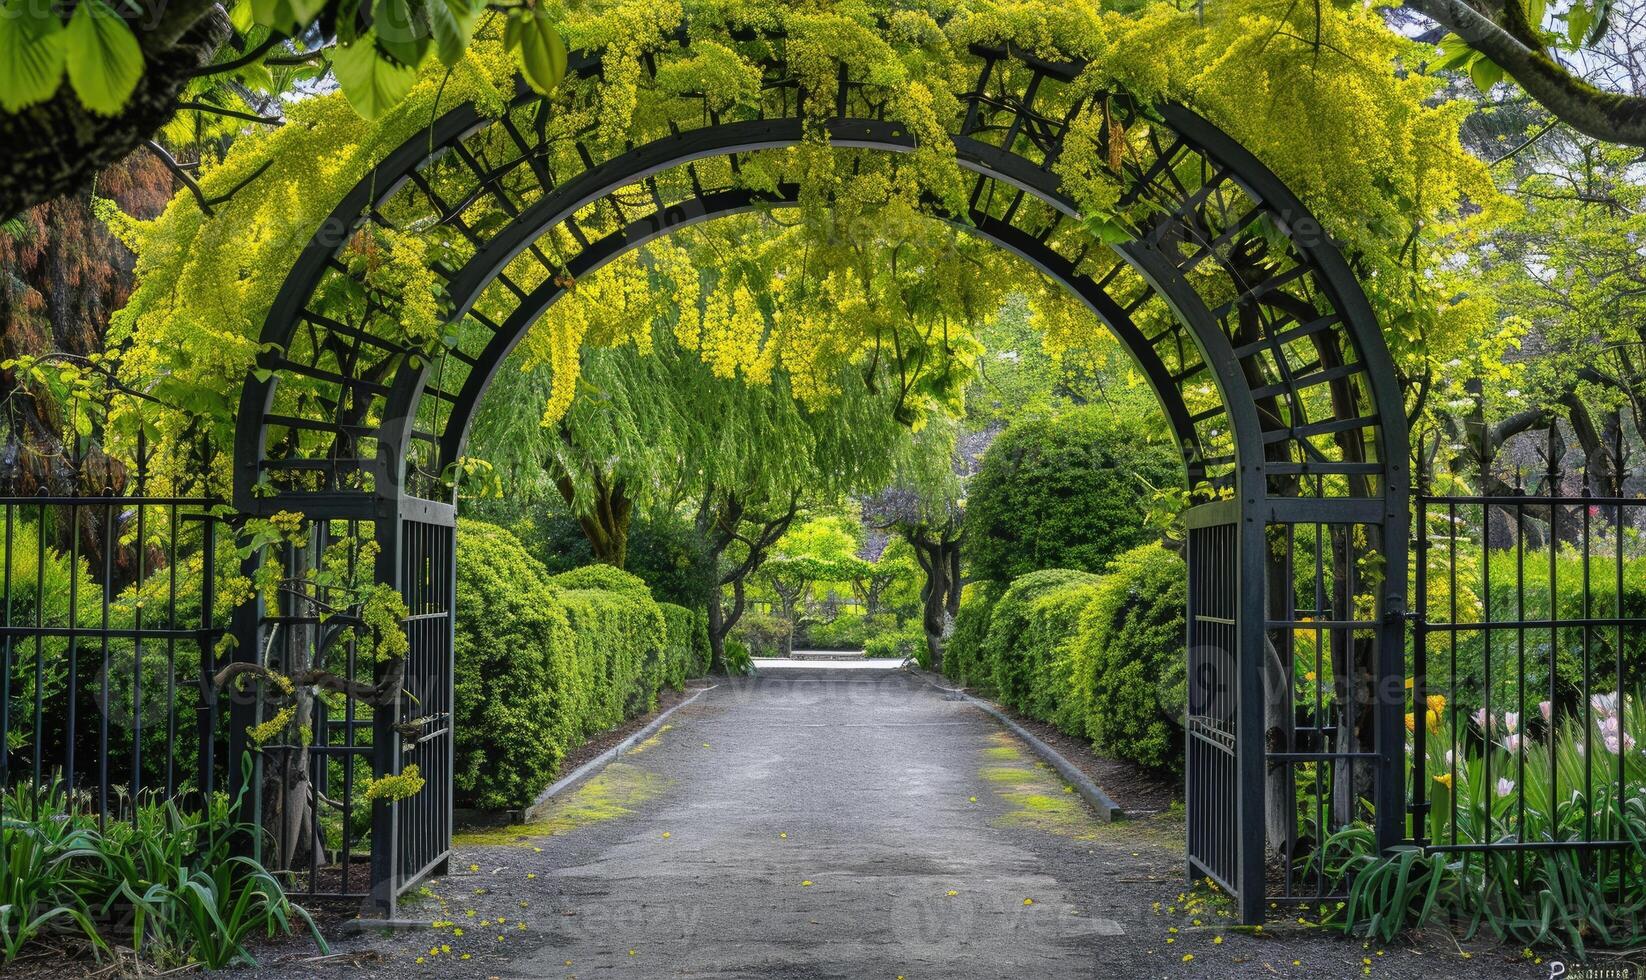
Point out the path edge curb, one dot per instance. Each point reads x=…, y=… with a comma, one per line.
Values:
x=1107, y=810
x=583, y=772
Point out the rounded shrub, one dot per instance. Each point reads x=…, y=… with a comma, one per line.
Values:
x=1064, y=491
x=607, y=578
x=908, y=640
x=764, y=634
x=1023, y=646
x=517, y=684
x=963, y=657
x=1126, y=658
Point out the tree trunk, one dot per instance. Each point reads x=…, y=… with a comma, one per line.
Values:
x=58, y=146
x=287, y=794
x=606, y=521
x=939, y=558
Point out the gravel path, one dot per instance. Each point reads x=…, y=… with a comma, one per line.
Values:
x=822, y=823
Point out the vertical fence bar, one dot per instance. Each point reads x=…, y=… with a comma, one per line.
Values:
x=1420, y=664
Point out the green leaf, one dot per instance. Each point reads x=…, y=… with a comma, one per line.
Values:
x=305, y=11
x=1578, y=21
x=1485, y=73
x=32, y=54
x=537, y=48
x=402, y=30
x=1108, y=229
x=104, y=60
x=373, y=84
x=1455, y=54
x=274, y=14
x=452, y=23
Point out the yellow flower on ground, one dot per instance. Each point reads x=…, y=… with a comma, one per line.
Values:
x=1437, y=703
x=806, y=884
x=1444, y=779
x=1411, y=722
x=1028, y=901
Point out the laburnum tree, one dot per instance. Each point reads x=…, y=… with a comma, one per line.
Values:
x=854, y=326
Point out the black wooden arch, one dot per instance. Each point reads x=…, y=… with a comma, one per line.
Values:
x=1243, y=315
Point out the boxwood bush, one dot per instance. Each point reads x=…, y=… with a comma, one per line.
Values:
x=1026, y=634
x=1065, y=491
x=519, y=691
x=544, y=661
x=963, y=658
x=1126, y=658
x=620, y=636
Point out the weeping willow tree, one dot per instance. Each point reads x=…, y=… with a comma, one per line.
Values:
x=660, y=432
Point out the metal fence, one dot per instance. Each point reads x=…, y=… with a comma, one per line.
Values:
x=1528, y=653
x=109, y=630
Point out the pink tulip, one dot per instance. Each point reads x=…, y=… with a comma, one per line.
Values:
x=1547, y=710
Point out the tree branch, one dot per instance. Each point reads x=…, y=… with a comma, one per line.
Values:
x=1609, y=116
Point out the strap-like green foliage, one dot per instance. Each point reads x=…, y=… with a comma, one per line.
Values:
x=544, y=661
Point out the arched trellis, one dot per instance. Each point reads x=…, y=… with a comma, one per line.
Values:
x=1241, y=313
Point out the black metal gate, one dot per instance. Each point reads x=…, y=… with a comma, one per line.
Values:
x=418, y=730
x=109, y=630
x=1223, y=745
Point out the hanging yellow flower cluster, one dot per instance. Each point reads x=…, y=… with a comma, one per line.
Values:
x=823, y=295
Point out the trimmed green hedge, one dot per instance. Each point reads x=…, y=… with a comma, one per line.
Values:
x=1099, y=656
x=544, y=661
x=620, y=637
x=1026, y=633
x=516, y=676
x=687, y=651
x=963, y=657
x=1128, y=671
